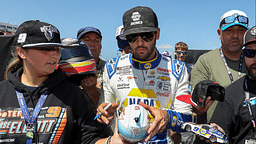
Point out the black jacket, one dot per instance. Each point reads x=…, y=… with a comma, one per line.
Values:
x=233, y=114
x=65, y=117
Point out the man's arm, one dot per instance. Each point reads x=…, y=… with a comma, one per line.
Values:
x=165, y=119
x=89, y=87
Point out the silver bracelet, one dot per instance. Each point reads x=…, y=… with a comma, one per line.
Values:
x=108, y=140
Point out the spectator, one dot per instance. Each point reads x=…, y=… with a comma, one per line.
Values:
x=79, y=65
x=224, y=65
x=181, y=51
x=145, y=75
x=236, y=115
x=92, y=38
x=122, y=43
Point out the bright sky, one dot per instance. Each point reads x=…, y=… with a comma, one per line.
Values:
x=194, y=22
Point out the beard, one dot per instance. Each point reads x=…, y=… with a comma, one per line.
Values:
x=252, y=71
x=146, y=55
x=230, y=48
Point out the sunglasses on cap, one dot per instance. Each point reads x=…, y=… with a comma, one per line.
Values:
x=233, y=18
x=179, y=53
x=249, y=53
x=147, y=36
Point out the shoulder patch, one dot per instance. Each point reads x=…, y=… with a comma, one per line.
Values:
x=111, y=66
x=177, y=68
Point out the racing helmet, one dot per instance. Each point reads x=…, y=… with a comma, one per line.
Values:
x=166, y=53
x=76, y=60
x=121, y=40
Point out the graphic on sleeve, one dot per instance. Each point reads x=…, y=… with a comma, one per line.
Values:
x=111, y=66
x=51, y=122
x=177, y=68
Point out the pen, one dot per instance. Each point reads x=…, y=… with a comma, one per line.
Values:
x=99, y=114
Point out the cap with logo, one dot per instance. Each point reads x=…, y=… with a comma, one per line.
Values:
x=37, y=34
x=86, y=30
x=138, y=20
x=201, y=91
x=119, y=32
x=250, y=36
x=77, y=61
x=233, y=17
x=121, y=40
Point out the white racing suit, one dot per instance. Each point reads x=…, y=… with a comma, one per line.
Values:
x=156, y=83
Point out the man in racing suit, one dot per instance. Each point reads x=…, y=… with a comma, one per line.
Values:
x=145, y=75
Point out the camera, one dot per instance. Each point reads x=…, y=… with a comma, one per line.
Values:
x=207, y=88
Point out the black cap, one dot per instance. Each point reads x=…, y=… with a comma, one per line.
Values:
x=250, y=36
x=138, y=20
x=201, y=91
x=37, y=34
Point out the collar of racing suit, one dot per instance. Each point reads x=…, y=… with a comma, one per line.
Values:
x=144, y=65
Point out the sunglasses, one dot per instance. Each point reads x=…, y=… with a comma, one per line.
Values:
x=249, y=53
x=179, y=53
x=147, y=36
x=233, y=18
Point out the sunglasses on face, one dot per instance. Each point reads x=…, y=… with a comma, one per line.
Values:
x=249, y=53
x=179, y=53
x=147, y=36
x=233, y=18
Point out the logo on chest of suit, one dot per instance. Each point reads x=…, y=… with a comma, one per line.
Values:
x=163, y=86
x=120, y=79
x=147, y=66
x=131, y=78
x=123, y=86
x=162, y=94
x=145, y=95
x=164, y=71
x=163, y=78
x=149, y=82
x=125, y=70
x=151, y=74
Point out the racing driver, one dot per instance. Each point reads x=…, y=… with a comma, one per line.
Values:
x=145, y=75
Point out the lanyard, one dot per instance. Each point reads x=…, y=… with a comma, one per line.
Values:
x=30, y=120
x=227, y=68
x=247, y=99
